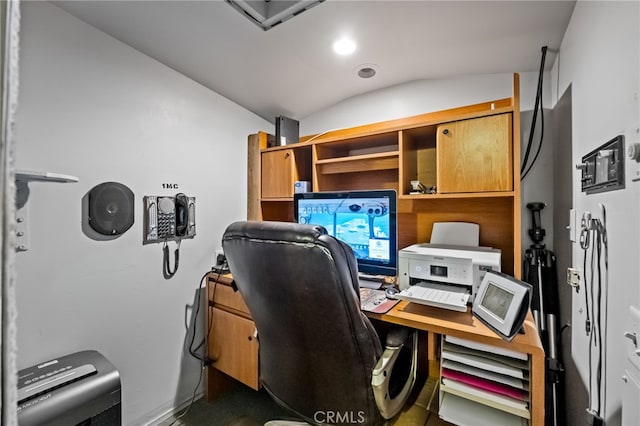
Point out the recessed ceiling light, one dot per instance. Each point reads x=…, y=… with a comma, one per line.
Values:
x=344, y=46
x=366, y=70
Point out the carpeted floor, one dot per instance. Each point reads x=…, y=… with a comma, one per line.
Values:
x=241, y=406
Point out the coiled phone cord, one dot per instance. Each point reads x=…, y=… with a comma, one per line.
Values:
x=166, y=267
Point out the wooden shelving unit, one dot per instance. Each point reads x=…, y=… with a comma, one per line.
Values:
x=485, y=383
x=470, y=155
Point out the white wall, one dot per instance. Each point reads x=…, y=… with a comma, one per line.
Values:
x=95, y=108
x=419, y=97
x=599, y=58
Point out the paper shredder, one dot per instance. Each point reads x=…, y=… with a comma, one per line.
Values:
x=80, y=388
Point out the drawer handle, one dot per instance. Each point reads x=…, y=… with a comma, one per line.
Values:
x=445, y=132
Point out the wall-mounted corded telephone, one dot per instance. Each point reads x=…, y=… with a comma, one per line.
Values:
x=169, y=218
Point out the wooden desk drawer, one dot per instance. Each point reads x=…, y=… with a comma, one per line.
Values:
x=225, y=296
x=234, y=347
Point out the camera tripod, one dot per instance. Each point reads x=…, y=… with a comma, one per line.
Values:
x=540, y=271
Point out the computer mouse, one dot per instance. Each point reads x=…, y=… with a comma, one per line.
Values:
x=391, y=292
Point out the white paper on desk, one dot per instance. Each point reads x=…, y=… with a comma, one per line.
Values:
x=484, y=374
x=493, y=399
x=483, y=363
x=487, y=348
x=456, y=233
x=465, y=412
x=511, y=362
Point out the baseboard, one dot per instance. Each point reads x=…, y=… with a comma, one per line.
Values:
x=166, y=413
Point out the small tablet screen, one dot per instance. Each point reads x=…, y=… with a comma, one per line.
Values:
x=497, y=300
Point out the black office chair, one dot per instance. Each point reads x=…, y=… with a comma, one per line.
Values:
x=320, y=357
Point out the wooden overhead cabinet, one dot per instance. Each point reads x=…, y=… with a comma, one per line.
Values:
x=281, y=169
x=475, y=155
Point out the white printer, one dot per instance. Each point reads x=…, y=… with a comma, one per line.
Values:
x=444, y=275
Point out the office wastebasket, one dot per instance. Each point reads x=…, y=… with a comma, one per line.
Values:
x=80, y=388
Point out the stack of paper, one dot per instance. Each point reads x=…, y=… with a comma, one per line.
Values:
x=465, y=412
x=484, y=377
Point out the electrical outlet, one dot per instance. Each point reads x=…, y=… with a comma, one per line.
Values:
x=220, y=262
x=573, y=278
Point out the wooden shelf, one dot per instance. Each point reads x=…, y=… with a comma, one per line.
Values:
x=501, y=194
x=499, y=106
x=364, y=157
x=359, y=163
x=40, y=176
x=277, y=200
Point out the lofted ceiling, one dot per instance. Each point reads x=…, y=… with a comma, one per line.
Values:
x=291, y=70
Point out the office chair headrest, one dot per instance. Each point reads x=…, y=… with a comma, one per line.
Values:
x=266, y=230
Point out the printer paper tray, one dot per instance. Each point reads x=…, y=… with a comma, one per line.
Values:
x=444, y=296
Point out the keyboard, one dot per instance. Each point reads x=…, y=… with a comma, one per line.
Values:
x=362, y=283
x=438, y=295
x=370, y=281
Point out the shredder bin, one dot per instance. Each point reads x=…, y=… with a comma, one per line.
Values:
x=80, y=388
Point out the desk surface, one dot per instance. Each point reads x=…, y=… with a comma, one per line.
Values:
x=444, y=321
x=459, y=324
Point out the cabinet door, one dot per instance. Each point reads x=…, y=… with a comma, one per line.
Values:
x=233, y=346
x=475, y=155
x=278, y=173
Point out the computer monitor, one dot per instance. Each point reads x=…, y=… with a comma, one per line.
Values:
x=365, y=220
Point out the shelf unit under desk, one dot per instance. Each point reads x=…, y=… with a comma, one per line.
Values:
x=462, y=324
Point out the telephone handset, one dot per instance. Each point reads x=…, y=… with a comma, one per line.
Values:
x=182, y=214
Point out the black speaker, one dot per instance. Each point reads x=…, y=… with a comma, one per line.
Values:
x=110, y=208
x=287, y=130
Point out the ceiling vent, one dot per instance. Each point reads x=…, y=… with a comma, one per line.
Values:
x=267, y=13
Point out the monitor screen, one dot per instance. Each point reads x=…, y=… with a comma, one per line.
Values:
x=365, y=220
x=497, y=300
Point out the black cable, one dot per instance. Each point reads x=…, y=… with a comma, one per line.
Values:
x=586, y=291
x=591, y=335
x=193, y=398
x=535, y=113
x=535, y=109
x=591, y=279
x=606, y=293
x=535, y=157
x=192, y=351
x=599, y=321
x=532, y=129
x=209, y=326
x=602, y=241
